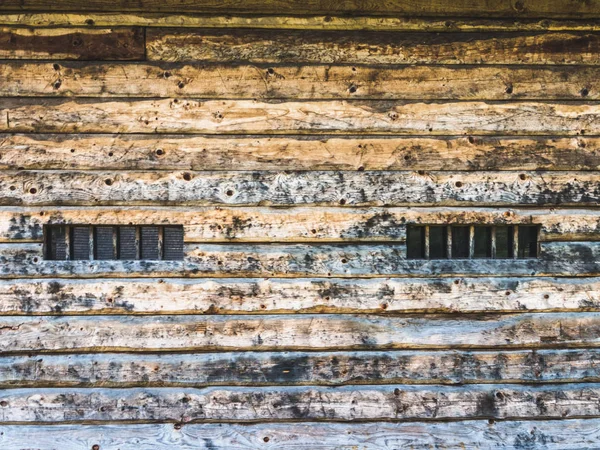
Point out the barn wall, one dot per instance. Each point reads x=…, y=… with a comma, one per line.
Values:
x=296, y=142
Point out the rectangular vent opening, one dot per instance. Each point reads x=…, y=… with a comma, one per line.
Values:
x=113, y=242
x=472, y=241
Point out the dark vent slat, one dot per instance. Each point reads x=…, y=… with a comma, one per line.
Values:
x=127, y=243
x=80, y=243
x=104, y=243
x=56, y=243
x=149, y=243
x=173, y=243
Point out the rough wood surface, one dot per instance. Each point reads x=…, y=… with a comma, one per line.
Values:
x=570, y=434
x=298, y=224
x=304, y=260
x=367, y=47
x=433, y=8
x=184, y=152
x=300, y=368
x=299, y=81
x=280, y=296
x=291, y=188
x=72, y=43
x=296, y=332
x=255, y=117
x=238, y=404
x=311, y=22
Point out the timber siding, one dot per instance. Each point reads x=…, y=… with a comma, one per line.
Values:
x=295, y=142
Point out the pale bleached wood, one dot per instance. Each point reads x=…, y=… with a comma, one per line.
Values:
x=366, y=47
x=298, y=81
x=302, y=188
x=260, y=117
x=569, y=434
x=72, y=43
x=243, y=296
x=312, y=22
x=296, y=332
x=304, y=260
x=435, y=8
x=298, y=224
x=231, y=404
x=184, y=152
x=300, y=368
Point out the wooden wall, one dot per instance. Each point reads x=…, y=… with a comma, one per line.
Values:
x=295, y=140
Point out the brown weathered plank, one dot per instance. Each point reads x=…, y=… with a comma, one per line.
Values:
x=184, y=152
x=24, y=78
x=570, y=434
x=311, y=22
x=303, y=260
x=367, y=47
x=280, y=296
x=62, y=334
x=434, y=8
x=300, y=368
x=299, y=224
x=231, y=404
x=255, y=117
x=72, y=43
x=291, y=188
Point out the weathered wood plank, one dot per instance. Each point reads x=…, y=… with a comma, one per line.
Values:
x=237, y=404
x=304, y=260
x=570, y=434
x=184, y=152
x=299, y=224
x=255, y=117
x=72, y=43
x=300, y=368
x=291, y=188
x=280, y=296
x=367, y=47
x=312, y=22
x=296, y=332
x=434, y=8
x=24, y=78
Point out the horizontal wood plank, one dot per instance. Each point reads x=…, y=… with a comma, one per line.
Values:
x=569, y=434
x=279, y=296
x=272, y=21
x=291, y=188
x=295, y=332
x=24, y=78
x=302, y=260
x=366, y=47
x=184, y=152
x=300, y=368
x=256, y=117
x=237, y=404
x=72, y=43
x=299, y=224
x=435, y=8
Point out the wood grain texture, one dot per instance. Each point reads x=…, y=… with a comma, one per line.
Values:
x=291, y=188
x=24, y=78
x=300, y=368
x=304, y=260
x=569, y=434
x=434, y=8
x=231, y=404
x=72, y=43
x=298, y=224
x=184, y=152
x=256, y=117
x=366, y=47
x=296, y=332
x=272, y=21
x=280, y=296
